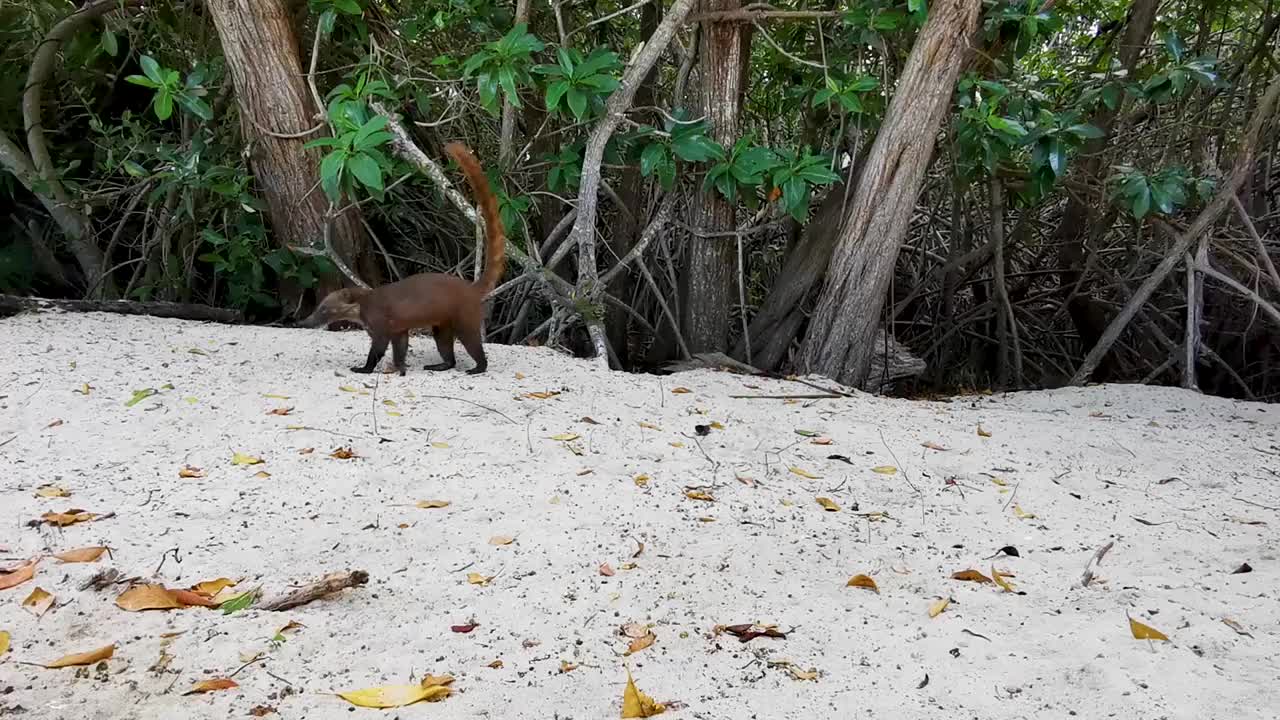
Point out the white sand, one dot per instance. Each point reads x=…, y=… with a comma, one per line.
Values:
x=1085, y=462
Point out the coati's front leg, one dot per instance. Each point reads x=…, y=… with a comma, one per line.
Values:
x=377, y=348
x=469, y=334
x=399, y=350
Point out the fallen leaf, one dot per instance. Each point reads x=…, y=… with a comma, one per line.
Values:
x=787, y=502
x=828, y=504
x=642, y=642
x=210, y=685
x=863, y=581
x=53, y=424
x=189, y=471
x=885, y=470
x=982, y=432
x=606, y=570
x=970, y=575
x=519, y=376
x=464, y=629
x=933, y=446
x=139, y=396
x=628, y=566
x=649, y=426
x=17, y=575
x=999, y=481
x=273, y=396
x=1244, y=568
x=1000, y=580
x=677, y=444
x=69, y=517
x=542, y=395
x=798, y=674
x=802, y=473
x=699, y=495
x=84, y=389
x=715, y=425
x=478, y=579
x=807, y=433
x=747, y=632
x=820, y=441
x=51, y=491
x=348, y=388
x=745, y=479
x=440, y=445
x=4, y=641
x=1237, y=627
x=306, y=451
x=636, y=704
x=261, y=711
x=190, y=598
x=148, y=597
x=634, y=630
x=641, y=480
x=1145, y=632
x=389, y=403
x=280, y=411
x=565, y=437
x=343, y=453
x=242, y=459
x=496, y=664
x=235, y=601
x=213, y=587
x=566, y=666
x=680, y=391
x=639, y=549
x=588, y=420
x=937, y=606
x=499, y=540
x=81, y=555
x=1022, y=514
x=393, y=696
x=428, y=504
x=87, y=658
x=38, y=602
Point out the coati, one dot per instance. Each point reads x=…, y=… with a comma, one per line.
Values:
x=450, y=305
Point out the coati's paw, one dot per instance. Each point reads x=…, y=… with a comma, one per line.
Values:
x=438, y=367
x=362, y=370
x=476, y=370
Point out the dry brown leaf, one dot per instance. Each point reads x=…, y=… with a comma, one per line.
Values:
x=642, y=642
x=280, y=411
x=499, y=540
x=1000, y=580
x=148, y=597
x=86, y=658
x=802, y=472
x=429, y=504
x=18, y=575
x=81, y=555
x=542, y=395
x=566, y=666
x=636, y=704
x=971, y=576
x=699, y=495
x=496, y=664
x=192, y=598
x=190, y=471
x=933, y=446
x=53, y=424
x=937, y=606
x=213, y=587
x=745, y=479
x=519, y=376
x=1237, y=627
x=1145, y=632
x=680, y=391
x=982, y=432
x=343, y=453
x=885, y=470
x=38, y=602
x=606, y=570
x=212, y=684
x=306, y=451
x=70, y=517
x=828, y=504
x=51, y=491
x=478, y=579
x=863, y=581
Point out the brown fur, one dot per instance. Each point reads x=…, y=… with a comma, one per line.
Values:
x=450, y=305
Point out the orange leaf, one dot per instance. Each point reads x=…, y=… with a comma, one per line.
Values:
x=1145, y=632
x=640, y=643
x=280, y=411
x=205, y=686
x=81, y=555
x=187, y=597
x=18, y=575
x=212, y=587
x=680, y=391
x=343, y=453
x=87, y=658
x=606, y=570
x=69, y=517
x=699, y=495
x=971, y=575
x=38, y=602
x=983, y=432
x=148, y=597
x=863, y=581
x=190, y=471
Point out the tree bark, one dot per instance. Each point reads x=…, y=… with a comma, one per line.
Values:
x=839, y=342
x=261, y=51
x=708, y=283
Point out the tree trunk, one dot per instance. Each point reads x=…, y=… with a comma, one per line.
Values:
x=261, y=51
x=708, y=283
x=839, y=342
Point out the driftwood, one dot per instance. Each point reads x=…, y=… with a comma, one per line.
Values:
x=13, y=304
x=327, y=585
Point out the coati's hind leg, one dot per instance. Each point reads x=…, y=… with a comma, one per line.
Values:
x=444, y=345
x=377, y=348
x=399, y=350
x=469, y=334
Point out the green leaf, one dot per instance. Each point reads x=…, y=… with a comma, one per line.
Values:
x=376, y=123
x=555, y=91
x=239, y=602
x=163, y=104
x=331, y=174
x=1141, y=201
x=325, y=142
x=109, y=44
x=366, y=171
x=917, y=6
x=864, y=83
x=652, y=154
x=350, y=7
x=134, y=169
x=140, y=395
x=577, y=102
x=196, y=106
x=600, y=59
x=1111, y=96
x=141, y=80
x=696, y=148
x=152, y=69
x=507, y=77
x=1008, y=126
x=1174, y=45
x=794, y=193
x=1085, y=131
x=328, y=19
x=1057, y=157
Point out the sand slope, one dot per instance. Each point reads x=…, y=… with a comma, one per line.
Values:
x=1091, y=465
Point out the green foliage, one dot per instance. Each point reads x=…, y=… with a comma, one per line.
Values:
x=355, y=156
x=1166, y=191
x=796, y=174
x=171, y=88
x=503, y=64
x=847, y=92
x=742, y=171
x=329, y=10
x=1172, y=81
x=683, y=140
x=566, y=169
x=578, y=82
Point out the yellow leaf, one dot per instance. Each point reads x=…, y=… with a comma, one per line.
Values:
x=565, y=437
x=636, y=704
x=51, y=491
x=715, y=425
x=190, y=400
x=348, y=388
x=680, y=391
x=641, y=480
x=501, y=540
x=213, y=587
x=566, y=666
x=541, y=395
x=242, y=459
x=478, y=579
x=999, y=580
x=70, y=517
x=389, y=403
x=81, y=555
x=273, y=396
x=87, y=658
x=937, y=606
x=148, y=597
x=4, y=641
x=802, y=473
x=885, y=470
x=649, y=426
x=393, y=413
x=828, y=504
x=1022, y=514
x=999, y=482
x=628, y=566
x=677, y=444
x=797, y=673
x=38, y=602
x=706, y=519
x=394, y=696
x=787, y=502
x=212, y=684
x=1145, y=632
x=189, y=471
x=699, y=495
x=982, y=432
x=428, y=504
x=440, y=445
x=519, y=376
x=84, y=389
x=863, y=581
x=970, y=575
